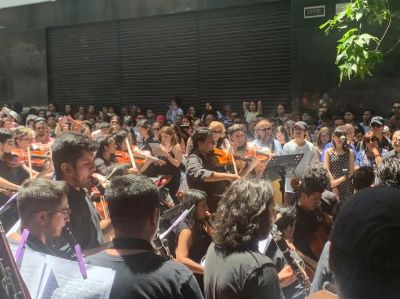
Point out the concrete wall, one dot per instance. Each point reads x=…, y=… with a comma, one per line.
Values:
x=23, y=60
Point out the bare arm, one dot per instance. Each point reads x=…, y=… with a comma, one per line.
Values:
x=182, y=251
x=244, y=105
x=8, y=185
x=178, y=156
x=221, y=176
x=259, y=107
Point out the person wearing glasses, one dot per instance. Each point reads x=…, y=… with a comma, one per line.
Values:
x=265, y=137
x=370, y=154
x=218, y=134
x=44, y=210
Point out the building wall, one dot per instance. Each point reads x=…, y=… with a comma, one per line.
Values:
x=314, y=70
x=23, y=48
x=23, y=56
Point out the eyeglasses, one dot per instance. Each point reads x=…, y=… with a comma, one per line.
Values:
x=396, y=107
x=66, y=212
x=265, y=129
x=217, y=132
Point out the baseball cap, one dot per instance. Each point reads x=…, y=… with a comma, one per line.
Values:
x=366, y=214
x=160, y=118
x=385, y=129
x=377, y=120
x=301, y=124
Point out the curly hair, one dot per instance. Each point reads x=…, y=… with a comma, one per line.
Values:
x=316, y=179
x=243, y=215
x=388, y=172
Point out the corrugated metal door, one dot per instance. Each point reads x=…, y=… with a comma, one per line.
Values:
x=84, y=64
x=227, y=55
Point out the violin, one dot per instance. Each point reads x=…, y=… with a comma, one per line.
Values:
x=17, y=157
x=321, y=235
x=122, y=157
x=223, y=158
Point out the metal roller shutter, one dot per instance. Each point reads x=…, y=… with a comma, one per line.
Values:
x=84, y=65
x=245, y=54
x=226, y=54
x=159, y=60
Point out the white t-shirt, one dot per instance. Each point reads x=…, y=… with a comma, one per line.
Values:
x=310, y=157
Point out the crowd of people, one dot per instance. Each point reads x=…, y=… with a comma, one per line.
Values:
x=109, y=175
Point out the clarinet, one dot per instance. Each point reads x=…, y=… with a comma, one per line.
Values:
x=11, y=280
x=301, y=277
x=161, y=247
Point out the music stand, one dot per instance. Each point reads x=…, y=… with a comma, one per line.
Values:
x=281, y=164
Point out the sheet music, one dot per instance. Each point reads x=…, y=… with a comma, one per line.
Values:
x=49, y=277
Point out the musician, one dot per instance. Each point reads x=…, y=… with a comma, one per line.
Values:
x=240, y=147
x=24, y=138
x=299, y=146
x=195, y=237
x=11, y=177
x=364, y=254
x=172, y=156
x=73, y=158
x=145, y=135
x=308, y=221
x=42, y=141
x=140, y=273
x=201, y=173
x=105, y=157
x=286, y=223
x=234, y=268
x=44, y=210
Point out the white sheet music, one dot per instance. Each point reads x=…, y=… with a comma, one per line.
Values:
x=49, y=277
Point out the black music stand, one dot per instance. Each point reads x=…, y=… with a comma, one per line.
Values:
x=283, y=165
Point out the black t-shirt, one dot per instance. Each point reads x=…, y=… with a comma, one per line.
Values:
x=148, y=275
x=243, y=274
x=306, y=225
x=197, y=170
x=15, y=175
x=84, y=222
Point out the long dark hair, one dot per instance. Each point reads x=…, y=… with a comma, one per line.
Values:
x=242, y=217
x=193, y=197
x=102, y=142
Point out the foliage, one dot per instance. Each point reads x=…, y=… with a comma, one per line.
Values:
x=358, y=51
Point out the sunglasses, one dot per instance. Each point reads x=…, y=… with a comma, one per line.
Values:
x=396, y=107
x=369, y=140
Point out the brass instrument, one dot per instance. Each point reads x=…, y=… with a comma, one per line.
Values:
x=298, y=271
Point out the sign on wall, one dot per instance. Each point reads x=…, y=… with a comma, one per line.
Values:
x=314, y=12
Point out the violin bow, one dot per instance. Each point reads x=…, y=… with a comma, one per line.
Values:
x=128, y=145
x=230, y=149
x=28, y=151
